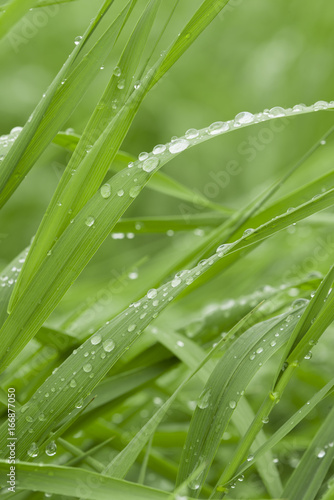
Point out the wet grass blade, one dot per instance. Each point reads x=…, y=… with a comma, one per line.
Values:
x=306, y=479
x=74, y=482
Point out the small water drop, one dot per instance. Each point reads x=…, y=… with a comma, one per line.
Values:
x=151, y=294
x=87, y=367
x=218, y=127
x=159, y=149
x=191, y=134
x=33, y=450
x=243, y=118
x=150, y=164
x=108, y=345
x=178, y=146
x=120, y=192
x=96, y=339
x=105, y=191
x=117, y=71
x=232, y=404
x=89, y=221
x=203, y=401
x=51, y=449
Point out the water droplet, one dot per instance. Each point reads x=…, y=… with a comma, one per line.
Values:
x=77, y=40
x=89, y=221
x=203, y=401
x=248, y=231
x=143, y=156
x=265, y=420
x=218, y=127
x=179, y=343
x=159, y=149
x=191, y=133
x=321, y=454
x=175, y=282
x=33, y=450
x=178, y=146
x=51, y=449
x=259, y=350
x=121, y=84
x=150, y=164
x=120, y=192
x=87, y=367
x=108, y=345
x=134, y=191
x=232, y=404
x=320, y=105
x=96, y=339
x=308, y=355
x=151, y=294
x=250, y=458
x=276, y=112
x=105, y=191
x=243, y=118
x=131, y=328
x=117, y=71
x=73, y=383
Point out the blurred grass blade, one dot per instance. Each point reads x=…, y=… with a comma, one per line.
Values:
x=58, y=103
x=12, y=12
x=307, y=478
x=206, y=13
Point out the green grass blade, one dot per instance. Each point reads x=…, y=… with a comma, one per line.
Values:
x=91, y=160
x=74, y=482
x=206, y=13
x=12, y=13
x=307, y=478
x=59, y=101
x=289, y=425
x=223, y=391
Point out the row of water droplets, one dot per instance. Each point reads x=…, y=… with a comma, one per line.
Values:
x=194, y=136
x=100, y=345
x=162, y=153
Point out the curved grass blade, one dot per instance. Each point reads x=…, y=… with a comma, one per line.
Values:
x=12, y=12
x=160, y=182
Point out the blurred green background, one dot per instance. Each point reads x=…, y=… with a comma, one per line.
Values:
x=257, y=54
